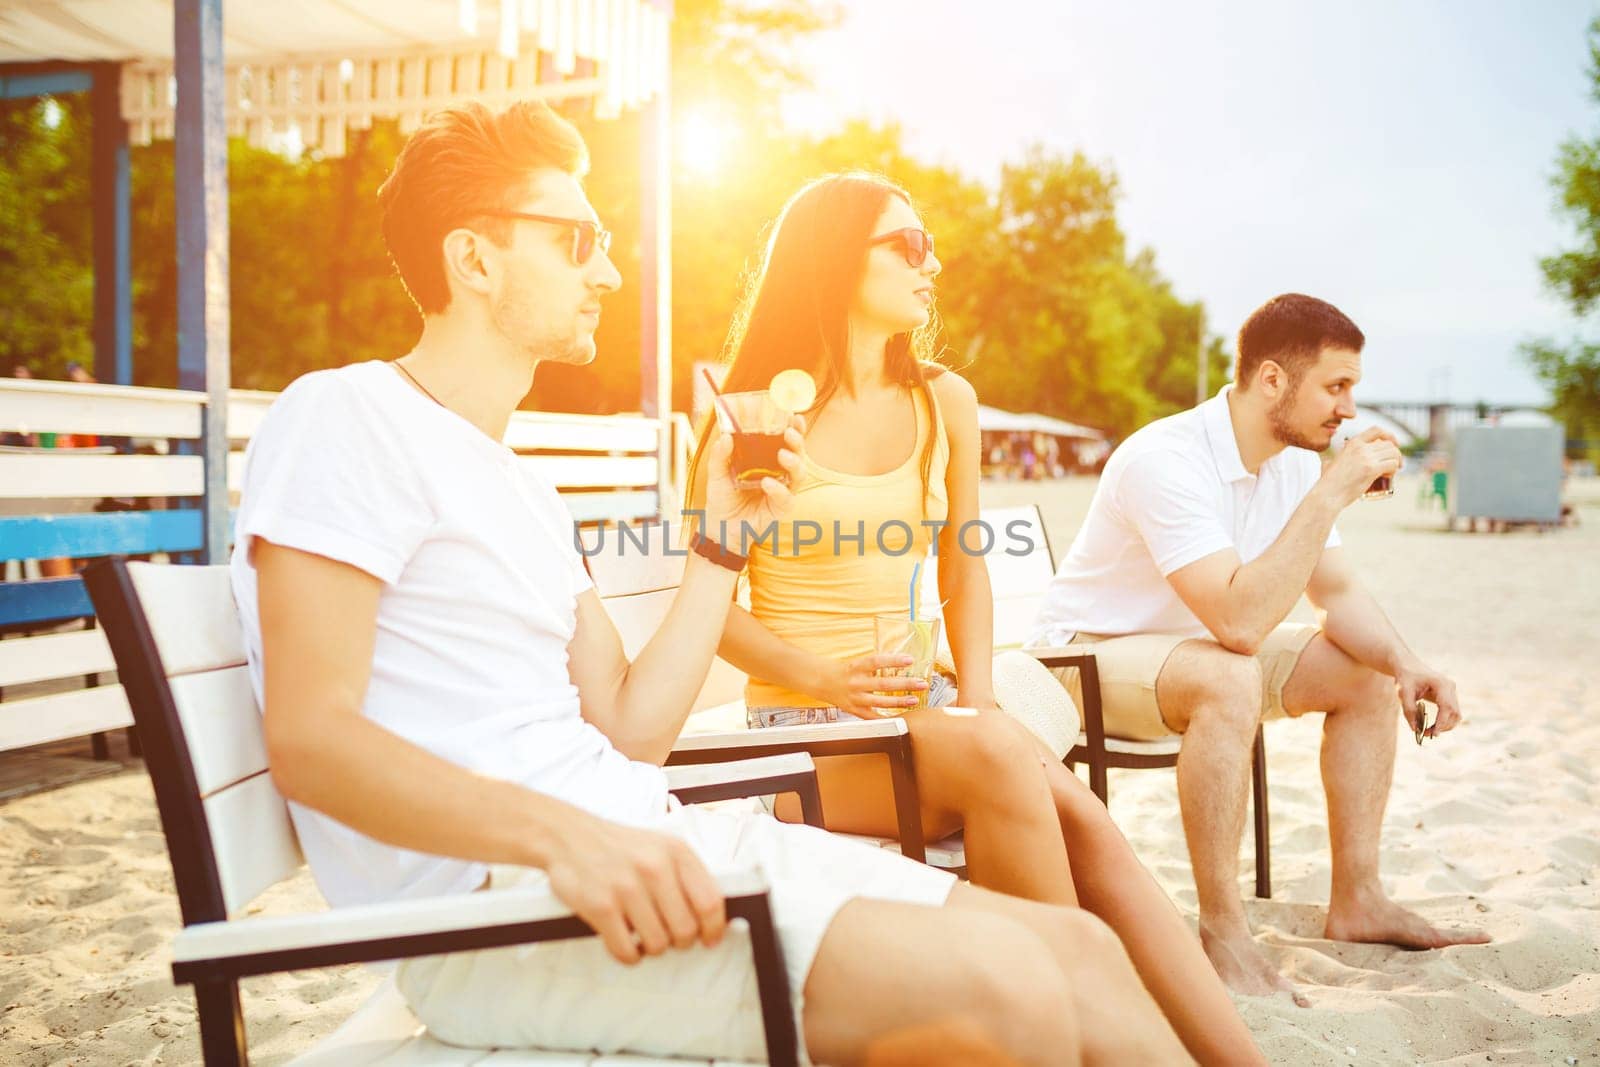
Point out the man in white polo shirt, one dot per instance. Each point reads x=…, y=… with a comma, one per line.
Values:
x=1204, y=531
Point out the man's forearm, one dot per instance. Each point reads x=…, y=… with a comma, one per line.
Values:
x=365, y=776
x=1354, y=622
x=1265, y=590
x=661, y=683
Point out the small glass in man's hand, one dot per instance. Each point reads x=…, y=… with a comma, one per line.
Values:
x=1382, y=487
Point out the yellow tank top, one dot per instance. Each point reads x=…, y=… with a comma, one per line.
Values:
x=823, y=599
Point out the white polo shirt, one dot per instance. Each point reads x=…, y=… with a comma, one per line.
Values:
x=1173, y=493
x=480, y=585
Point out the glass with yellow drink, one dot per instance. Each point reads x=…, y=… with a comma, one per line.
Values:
x=917, y=638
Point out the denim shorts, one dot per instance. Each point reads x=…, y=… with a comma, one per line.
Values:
x=941, y=691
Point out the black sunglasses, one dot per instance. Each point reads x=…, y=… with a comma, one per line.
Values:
x=916, y=244
x=587, y=234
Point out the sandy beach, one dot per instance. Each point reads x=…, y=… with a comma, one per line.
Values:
x=1496, y=825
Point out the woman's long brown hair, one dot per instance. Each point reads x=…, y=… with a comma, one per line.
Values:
x=796, y=308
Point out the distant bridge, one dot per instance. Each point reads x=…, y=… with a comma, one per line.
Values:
x=1429, y=421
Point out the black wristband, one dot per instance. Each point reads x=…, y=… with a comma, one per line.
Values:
x=716, y=553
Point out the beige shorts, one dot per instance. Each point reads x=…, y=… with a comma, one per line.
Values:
x=696, y=1002
x=1130, y=665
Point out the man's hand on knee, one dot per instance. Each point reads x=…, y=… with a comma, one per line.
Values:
x=642, y=891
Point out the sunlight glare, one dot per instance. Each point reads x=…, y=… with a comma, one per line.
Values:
x=703, y=142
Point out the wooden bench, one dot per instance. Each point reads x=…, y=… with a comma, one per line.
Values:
x=179, y=650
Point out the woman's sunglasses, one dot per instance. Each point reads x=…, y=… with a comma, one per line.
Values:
x=916, y=244
x=587, y=234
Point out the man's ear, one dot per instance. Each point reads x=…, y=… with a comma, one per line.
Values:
x=1271, y=378
x=464, y=262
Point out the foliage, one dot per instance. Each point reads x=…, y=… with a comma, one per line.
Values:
x=1044, y=305
x=1572, y=371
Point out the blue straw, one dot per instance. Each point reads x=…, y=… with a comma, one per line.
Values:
x=915, y=571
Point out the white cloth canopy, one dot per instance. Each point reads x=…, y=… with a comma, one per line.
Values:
x=321, y=67
x=998, y=421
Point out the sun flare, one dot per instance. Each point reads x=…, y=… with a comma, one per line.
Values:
x=703, y=141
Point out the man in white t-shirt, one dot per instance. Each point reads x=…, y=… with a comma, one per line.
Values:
x=1204, y=531
x=448, y=707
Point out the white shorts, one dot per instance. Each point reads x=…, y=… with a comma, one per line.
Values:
x=695, y=1002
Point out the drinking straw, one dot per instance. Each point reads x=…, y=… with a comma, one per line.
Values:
x=716, y=398
x=916, y=571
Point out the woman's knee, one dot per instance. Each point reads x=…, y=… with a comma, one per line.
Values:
x=975, y=749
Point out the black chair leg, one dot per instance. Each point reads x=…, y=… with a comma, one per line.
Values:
x=1258, y=776
x=907, y=803
x=810, y=803
x=1097, y=781
x=222, y=1036
x=772, y=982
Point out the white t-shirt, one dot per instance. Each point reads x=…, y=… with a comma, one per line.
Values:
x=480, y=576
x=1173, y=493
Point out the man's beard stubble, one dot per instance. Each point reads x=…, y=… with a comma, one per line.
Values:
x=516, y=320
x=1283, y=430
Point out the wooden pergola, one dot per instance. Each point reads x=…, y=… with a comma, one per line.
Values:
x=305, y=72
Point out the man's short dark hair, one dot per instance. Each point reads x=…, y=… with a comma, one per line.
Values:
x=1292, y=330
x=463, y=162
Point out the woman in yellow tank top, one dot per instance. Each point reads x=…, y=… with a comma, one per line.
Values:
x=845, y=292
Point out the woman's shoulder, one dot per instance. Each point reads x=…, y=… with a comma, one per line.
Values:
x=950, y=388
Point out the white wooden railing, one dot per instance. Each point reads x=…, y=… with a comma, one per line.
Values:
x=607, y=468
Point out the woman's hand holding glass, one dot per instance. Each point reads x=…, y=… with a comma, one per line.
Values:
x=857, y=686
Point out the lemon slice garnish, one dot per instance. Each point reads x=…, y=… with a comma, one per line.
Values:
x=793, y=390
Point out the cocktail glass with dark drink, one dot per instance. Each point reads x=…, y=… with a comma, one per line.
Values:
x=756, y=425
x=1380, y=488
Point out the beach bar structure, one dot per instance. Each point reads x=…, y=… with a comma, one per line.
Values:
x=288, y=74
x=1006, y=429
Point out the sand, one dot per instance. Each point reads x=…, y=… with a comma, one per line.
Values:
x=1497, y=825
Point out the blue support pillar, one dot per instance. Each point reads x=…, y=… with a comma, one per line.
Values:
x=201, y=181
x=111, y=194
x=655, y=276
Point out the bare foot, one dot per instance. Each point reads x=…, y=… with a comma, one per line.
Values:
x=1243, y=968
x=1379, y=920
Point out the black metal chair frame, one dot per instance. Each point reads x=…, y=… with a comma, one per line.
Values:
x=199, y=886
x=896, y=748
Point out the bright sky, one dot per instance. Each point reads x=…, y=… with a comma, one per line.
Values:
x=1392, y=156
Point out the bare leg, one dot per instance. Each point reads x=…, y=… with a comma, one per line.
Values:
x=974, y=770
x=1120, y=1021
x=899, y=983
x=1358, y=742
x=1214, y=697
x=1115, y=886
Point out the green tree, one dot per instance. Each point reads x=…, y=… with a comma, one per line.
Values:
x=1043, y=304
x=1058, y=317
x=45, y=242
x=1572, y=371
